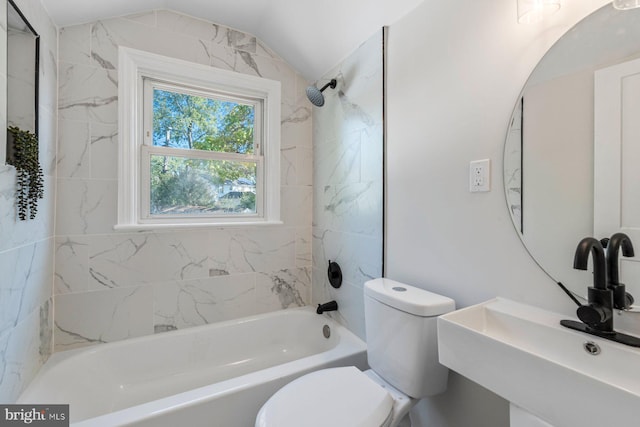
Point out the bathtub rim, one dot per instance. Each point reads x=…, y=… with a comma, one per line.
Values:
x=348, y=345
x=68, y=354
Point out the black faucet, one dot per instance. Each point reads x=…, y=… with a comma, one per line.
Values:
x=621, y=299
x=328, y=306
x=598, y=314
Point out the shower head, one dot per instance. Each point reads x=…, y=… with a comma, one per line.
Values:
x=315, y=95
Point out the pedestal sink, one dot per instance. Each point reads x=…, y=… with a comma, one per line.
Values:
x=561, y=376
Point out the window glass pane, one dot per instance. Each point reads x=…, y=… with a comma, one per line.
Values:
x=187, y=186
x=195, y=122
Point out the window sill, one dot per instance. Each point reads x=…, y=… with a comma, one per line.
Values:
x=148, y=227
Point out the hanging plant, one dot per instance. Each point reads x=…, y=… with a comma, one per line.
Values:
x=30, y=179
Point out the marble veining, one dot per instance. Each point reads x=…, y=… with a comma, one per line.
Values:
x=107, y=316
x=102, y=62
x=89, y=103
x=286, y=291
x=298, y=115
x=247, y=58
x=241, y=41
x=303, y=247
x=119, y=285
x=217, y=272
x=354, y=111
x=102, y=280
x=513, y=167
x=74, y=142
x=347, y=177
x=26, y=247
x=103, y=154
x=203, y=301
x=74, y=336
x=46, y=330
x=344, y=197
x=71, y=264
x=4, y=345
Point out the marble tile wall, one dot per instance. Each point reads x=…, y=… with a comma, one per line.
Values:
x=26, y=247
x=348, y=181
x=111, y=285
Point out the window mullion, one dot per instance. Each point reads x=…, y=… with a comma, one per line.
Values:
x=200, y=154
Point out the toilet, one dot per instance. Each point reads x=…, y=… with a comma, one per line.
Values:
x=402, y=351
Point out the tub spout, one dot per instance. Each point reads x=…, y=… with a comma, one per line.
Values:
x=328, y=306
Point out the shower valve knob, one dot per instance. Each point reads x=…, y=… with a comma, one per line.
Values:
x=335, y=274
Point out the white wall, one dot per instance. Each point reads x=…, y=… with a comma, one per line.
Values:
x=26, y=247
x=111, y=286
x=455, y=72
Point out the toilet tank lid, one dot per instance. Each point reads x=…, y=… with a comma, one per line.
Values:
x=408, y=298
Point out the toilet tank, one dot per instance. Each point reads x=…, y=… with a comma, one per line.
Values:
x=402, y=345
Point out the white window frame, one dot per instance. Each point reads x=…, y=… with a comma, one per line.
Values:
x=134, y=68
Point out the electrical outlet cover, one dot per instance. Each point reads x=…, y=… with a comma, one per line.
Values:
x=480, y=175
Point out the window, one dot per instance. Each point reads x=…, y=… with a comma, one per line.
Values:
x=201, y=153
x=200, y=146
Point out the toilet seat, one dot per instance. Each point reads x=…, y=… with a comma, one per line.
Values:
x=337, y=397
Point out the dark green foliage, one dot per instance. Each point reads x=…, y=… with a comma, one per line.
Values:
x=234, y=134
x=248, y=201
x=199, y=123
x=30, y=179
x=181, y=186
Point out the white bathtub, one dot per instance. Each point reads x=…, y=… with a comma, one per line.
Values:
x=214, y=375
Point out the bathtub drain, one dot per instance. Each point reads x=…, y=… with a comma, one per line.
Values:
x=326, y=331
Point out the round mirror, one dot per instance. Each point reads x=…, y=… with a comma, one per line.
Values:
x=572, y=152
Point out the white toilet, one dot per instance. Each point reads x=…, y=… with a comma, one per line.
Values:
x=402, y=349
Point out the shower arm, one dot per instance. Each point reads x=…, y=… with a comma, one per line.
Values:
x=331, y=84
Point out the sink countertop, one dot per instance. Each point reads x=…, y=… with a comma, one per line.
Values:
x=521, y=353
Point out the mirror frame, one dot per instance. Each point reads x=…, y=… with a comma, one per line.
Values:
x=36, y=77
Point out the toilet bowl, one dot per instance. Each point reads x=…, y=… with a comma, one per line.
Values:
x=402, y=351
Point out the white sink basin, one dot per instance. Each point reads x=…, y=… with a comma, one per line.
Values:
x=522, y=353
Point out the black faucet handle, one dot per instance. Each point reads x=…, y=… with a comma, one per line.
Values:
x=622, y=299
x=628, y=300
x=592, y=315
x=334, y=272
x=598, y=313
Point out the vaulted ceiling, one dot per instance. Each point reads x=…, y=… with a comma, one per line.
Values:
x=311, y=35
